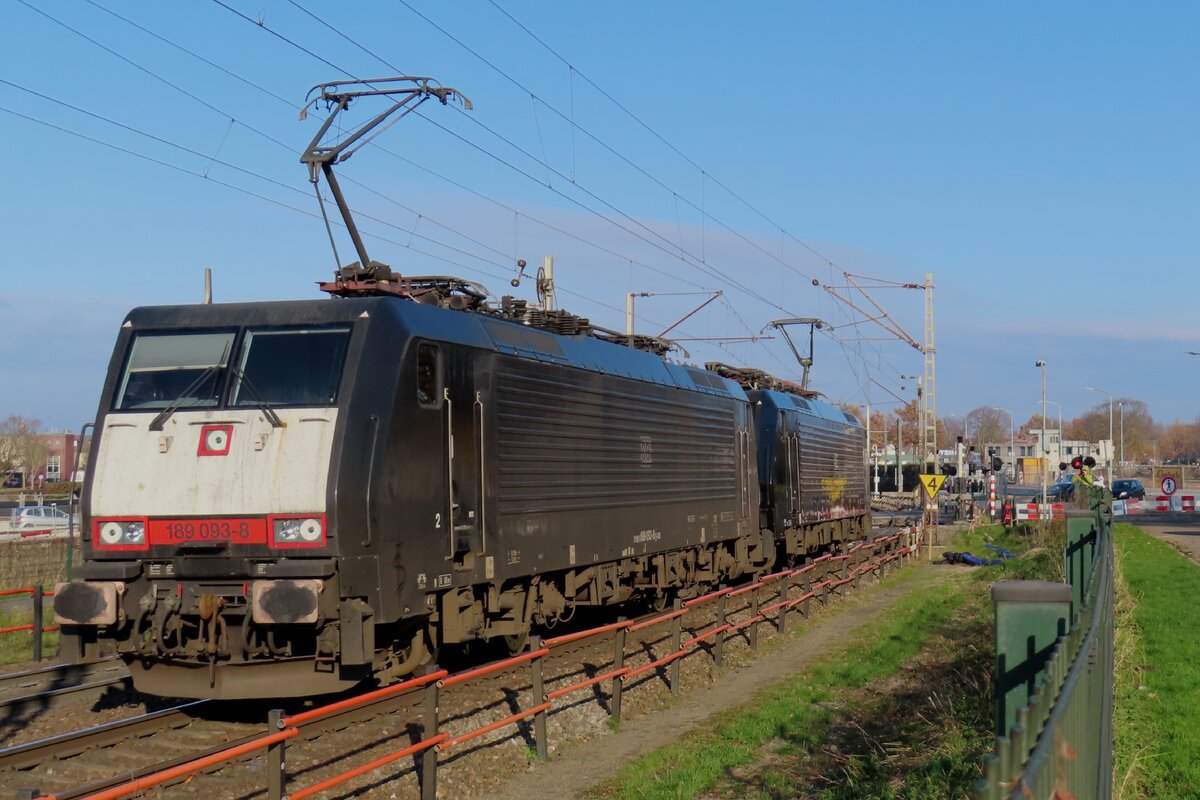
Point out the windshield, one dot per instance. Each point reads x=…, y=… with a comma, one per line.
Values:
x=298, y=367
x=178, y=368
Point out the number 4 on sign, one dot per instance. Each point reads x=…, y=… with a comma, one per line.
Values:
x=932, y=484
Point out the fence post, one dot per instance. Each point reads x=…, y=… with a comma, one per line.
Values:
x=37, y=622
x=1030, y=618
x=618, y=663
x=719, y=649
x=781, y=621
x=276, y=757
x=429, y=757
x=539, y=697
x=753, y=616
x=676, y=644
x=1079, y=555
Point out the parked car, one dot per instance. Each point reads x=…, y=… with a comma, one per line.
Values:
x=40, y=517
x=1064, y=490
x=1128, y=489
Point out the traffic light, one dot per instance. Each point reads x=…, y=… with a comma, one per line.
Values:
x=996, y=463
x=1077, y=463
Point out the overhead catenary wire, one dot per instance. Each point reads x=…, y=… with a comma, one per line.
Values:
x=420, y=217
x=682, y=255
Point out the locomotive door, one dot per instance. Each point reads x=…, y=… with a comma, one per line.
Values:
x=463, y=430
x=791, y=486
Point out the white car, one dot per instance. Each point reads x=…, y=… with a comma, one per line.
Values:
x=40, y=517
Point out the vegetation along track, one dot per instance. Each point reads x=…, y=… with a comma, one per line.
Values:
x=76, y=764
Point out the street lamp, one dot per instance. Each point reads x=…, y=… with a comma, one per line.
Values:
x=1045, y=452
x=1012, y=438
x=1110, y=430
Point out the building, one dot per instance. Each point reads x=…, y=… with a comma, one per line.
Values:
x=52, y=453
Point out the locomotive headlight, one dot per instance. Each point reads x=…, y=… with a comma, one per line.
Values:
x=111, y=533
x=124, y=534
x=298, y=532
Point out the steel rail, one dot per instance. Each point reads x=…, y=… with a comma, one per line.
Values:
x=64, y=745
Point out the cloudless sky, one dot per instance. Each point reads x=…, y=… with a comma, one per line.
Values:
x=1040, y=160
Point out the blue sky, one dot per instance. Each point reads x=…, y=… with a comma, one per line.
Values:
x=1038, y=159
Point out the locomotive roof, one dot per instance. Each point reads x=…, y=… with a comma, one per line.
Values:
x=805, y=405
x=484, y=331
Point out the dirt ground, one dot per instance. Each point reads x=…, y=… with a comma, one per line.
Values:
x=1184, y=536
x=588, y=764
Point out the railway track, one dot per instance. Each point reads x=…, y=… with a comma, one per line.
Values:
x=46, y=687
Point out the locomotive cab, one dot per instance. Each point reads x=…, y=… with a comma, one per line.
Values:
x=209, y=514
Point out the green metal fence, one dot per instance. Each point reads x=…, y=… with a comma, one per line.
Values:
x=1054, y=681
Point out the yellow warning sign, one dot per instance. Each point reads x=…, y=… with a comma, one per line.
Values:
x=932, y=484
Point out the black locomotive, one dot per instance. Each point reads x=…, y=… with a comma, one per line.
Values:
x=290, y=498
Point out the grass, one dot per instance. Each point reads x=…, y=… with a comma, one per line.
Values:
x=1038, y=547
x=1157, y=703
x=17, y=647
x=904, y=710
x=879, y=718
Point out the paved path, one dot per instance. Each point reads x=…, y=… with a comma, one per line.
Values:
x=1183, y=535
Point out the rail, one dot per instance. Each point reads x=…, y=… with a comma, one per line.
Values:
x=816, y=581
x=1054, y=689
x=37, y=627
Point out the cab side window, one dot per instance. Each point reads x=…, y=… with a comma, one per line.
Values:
x=428, y=374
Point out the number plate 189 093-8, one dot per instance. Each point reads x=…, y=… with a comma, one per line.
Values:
x=235, y=531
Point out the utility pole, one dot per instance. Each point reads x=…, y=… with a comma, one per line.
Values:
x=929, y=406
x=1045, y=452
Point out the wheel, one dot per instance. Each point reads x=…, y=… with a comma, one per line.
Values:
x=515, y=644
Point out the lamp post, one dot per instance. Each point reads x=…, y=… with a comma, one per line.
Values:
x=1012, y=439
x=1045, y=453
x=1121, y=457
x=1110, y=430
x=920, y=412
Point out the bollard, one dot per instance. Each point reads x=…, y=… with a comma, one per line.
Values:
x=429, y=757
x=618, y=662
x=38, y=603
x=276, y=758
x=1030, y=617
x=539, y=697
x=676, y=645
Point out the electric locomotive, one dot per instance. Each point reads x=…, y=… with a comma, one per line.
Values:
x=289, y=498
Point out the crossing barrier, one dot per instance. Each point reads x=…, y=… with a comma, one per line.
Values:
x=1036, y=511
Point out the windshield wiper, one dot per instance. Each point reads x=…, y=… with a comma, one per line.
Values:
x=261, y=403
x=157, y=423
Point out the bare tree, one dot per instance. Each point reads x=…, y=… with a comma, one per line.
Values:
x=21, y=448
x=989, y=425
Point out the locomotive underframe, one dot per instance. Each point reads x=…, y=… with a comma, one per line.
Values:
x=199, y=638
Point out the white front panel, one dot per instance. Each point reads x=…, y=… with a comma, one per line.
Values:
x=267, y=470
